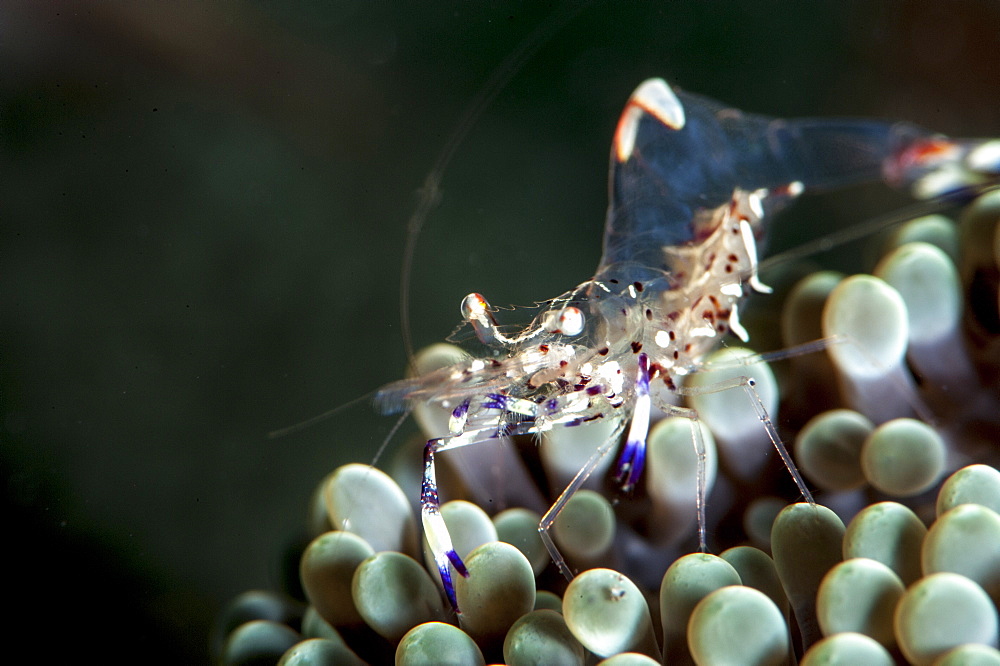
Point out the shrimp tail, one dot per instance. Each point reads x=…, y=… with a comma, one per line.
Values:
x=937, y=166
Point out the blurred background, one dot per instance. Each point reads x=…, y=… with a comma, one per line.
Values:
x=203, y=211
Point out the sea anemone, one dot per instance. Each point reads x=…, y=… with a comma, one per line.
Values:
x=895, y=425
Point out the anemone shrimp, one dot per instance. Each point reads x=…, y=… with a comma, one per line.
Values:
x=693, y=184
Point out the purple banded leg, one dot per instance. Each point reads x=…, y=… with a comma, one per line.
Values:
x=633, y=455
x=435, y=530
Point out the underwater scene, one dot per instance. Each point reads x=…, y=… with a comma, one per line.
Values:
x=315, y=314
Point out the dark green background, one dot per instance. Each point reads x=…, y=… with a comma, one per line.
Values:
x=203, y=210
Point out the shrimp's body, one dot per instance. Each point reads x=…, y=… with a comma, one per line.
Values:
x=692, y=184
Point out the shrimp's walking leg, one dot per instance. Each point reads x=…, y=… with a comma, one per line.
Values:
x=545, y=524
x=747, y=384
x=701, y=473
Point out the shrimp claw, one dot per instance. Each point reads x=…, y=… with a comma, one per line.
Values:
x=435, y=529
x=633, y=455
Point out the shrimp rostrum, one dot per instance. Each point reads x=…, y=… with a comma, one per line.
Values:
x=692, y=185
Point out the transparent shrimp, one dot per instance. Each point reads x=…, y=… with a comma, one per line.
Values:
x=692, y=186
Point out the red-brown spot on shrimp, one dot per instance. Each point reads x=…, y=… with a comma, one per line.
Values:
x=636, y=346
x=649, y=314
x=603, y=351
x=638, y=286
x=543, y=348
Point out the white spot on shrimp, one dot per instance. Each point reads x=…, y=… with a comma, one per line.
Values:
x=735, y=326
x=662, y=339
x=703, y=332
x=751, y=247
x=654, y=97
x=734, y=289
x=611, y=376
x=754, y=199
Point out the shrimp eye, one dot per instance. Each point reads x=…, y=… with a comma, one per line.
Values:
x=474, y=306
x=570, y=321
x=476, y=311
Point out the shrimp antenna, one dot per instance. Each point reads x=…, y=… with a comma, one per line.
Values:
x=313, y=420
x=430, y=191
x=866, y=228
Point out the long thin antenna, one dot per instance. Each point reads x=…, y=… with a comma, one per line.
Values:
x=302, y=425
x=430, y=192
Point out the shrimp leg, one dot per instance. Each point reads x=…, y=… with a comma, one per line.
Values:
x=545, y=524
x=748, y=384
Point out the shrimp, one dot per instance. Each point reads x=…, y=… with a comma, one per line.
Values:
x=693, y=184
